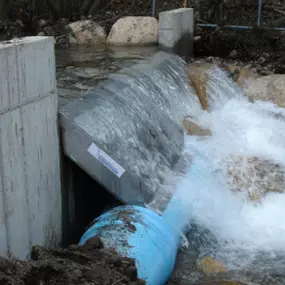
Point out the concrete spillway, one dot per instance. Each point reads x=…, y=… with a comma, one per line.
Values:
x=126, y=131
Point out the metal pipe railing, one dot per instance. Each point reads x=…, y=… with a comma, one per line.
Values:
x=153, y=7
x=239, y=27
x=230, y=26
x=259, y=12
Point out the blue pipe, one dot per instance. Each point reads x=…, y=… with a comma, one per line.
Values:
x=238, y=27
x=141, y=234
x=150, y=239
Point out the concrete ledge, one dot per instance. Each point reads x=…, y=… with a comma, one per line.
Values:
x=176, y=29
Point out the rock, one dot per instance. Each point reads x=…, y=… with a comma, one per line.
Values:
x=41, y=34
x=255, y=176
x=233, y=54
x=134, y=31
x=265, y=72
x=261, y=60
x=244, y=75
x=72, y=41
x=198, y=78
x=267, y=88
x=197, y=38
x=62, y=42
x=50, y=31
x=209, y=265
x=193, y=129
x=42, y=23
x=87, y=32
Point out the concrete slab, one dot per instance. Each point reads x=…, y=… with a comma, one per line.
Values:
x=30, y=186
x=176, y=28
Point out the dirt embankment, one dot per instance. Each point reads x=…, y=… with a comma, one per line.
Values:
x=258, y=44
x=90, y=264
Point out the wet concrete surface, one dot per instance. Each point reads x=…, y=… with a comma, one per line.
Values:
x=81, y=68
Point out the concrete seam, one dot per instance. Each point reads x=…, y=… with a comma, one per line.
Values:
x=29, y=101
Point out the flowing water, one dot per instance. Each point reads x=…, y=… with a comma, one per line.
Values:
x=135, y=115
x=135, y=110
x=242, y=234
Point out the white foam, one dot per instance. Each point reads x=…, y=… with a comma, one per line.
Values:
x=238, y=128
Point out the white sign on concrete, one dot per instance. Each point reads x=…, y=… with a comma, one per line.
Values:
x=106, y=160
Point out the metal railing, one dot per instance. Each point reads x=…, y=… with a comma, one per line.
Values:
x=240, y=27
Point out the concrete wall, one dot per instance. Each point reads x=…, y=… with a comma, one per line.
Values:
x=30, y=194
x=176, y=28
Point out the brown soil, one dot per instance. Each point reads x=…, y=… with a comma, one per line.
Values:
x=90, y=264
x=259, y=45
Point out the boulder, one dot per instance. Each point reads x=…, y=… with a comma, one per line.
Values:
x=267, y=88
x=209, y=265
x=72, y=41
x=241, y=75
x=193, y=129
x=134, y=31
x=255, y=176
x=198, y=78
x=87, y=32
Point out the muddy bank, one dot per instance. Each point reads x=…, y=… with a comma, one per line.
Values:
x=90, y=264
x=257, y=46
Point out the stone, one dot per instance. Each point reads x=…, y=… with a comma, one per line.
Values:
x=233, y=54
x=265, y=72
x=134, y=31
x=209, y=265
x=193, y=129
x=87, y=32
x=41, y=34
x=42, y=23
x=244, y=75
x=198, y=76
x=267, y=88
x=198, y=79
x=197, y=38
x=261, y=60
x=255, y=176
x=72, y=41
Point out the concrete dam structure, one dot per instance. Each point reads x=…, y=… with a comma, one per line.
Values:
x=126, y=132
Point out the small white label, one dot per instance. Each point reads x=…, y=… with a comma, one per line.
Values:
x=105, y=159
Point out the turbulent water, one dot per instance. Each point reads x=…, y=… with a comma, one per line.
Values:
x=135, y=116
x=239, y=230
x=134, y=113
